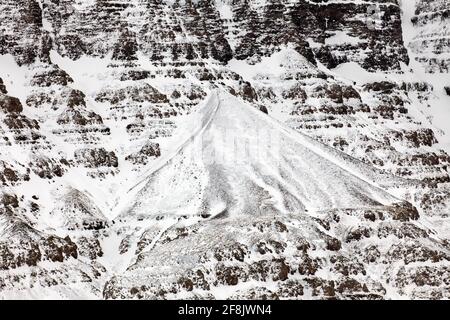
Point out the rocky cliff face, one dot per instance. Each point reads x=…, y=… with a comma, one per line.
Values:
x=431, y=44
x=96, y=94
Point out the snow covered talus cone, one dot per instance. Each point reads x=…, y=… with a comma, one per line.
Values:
x=238, y=160
x=292, y=219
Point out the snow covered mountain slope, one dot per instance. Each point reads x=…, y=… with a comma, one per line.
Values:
x=281, y=148
x=263, y=222
x=240, y=161
x=426, y=35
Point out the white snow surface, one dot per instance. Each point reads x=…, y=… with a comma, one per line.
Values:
x=241, y=161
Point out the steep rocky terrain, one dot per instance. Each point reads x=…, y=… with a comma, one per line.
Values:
x=119, y=119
